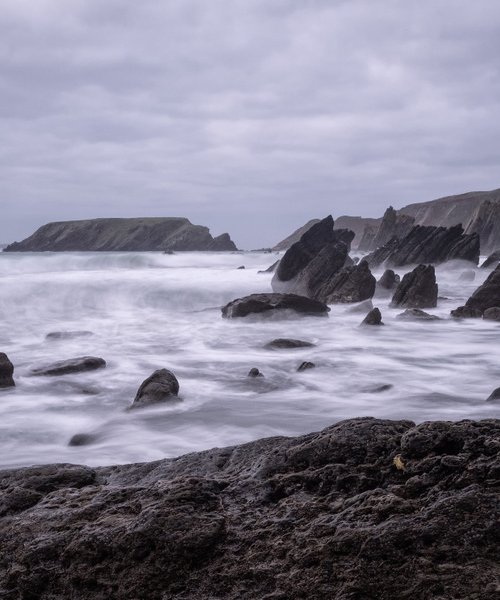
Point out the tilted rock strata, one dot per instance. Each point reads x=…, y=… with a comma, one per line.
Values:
x=417, y=289
x=486, y=296
x=140, y=234
x=363, y=509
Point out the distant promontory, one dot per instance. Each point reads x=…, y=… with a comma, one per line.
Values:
x=134, y=234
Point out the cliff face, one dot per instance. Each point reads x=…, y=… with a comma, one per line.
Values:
x=486, y=222
x=139, y=234
x=391, y=225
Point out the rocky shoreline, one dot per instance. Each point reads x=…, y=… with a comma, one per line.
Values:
x=365, y=509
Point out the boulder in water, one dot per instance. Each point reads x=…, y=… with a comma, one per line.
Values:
x=287, y=343
x=415, y=314
x=264, y=303
x=465, y=312
x=417, y=289
x=67, y=335
x=389, y=280
x=374, y=317
x=72, y=365
x=305, y=366
x=161, y=386
x=6, y=371
x=254, y=372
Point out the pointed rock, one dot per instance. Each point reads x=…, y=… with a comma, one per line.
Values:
x=418, y=289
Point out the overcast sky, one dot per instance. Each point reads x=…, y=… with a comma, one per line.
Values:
x=249, y=116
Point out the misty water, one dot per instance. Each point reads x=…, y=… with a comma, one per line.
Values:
x=149, y=310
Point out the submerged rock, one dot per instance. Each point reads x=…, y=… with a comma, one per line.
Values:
x=305, y=366
x=254, y=372
x=287, y=343
x=415, y=314
x=374, y=317
x=67, y=335
x=468, y=275
x=365, y=509
x=161, y=386
x=263, y=303
x=72, y=365
x=417, y=289
x=362, y=307
x=6, y=371
x=82, y=439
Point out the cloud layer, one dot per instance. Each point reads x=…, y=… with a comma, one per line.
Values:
x=250, y=116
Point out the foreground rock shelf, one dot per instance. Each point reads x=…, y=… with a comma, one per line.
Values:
x=364, y=509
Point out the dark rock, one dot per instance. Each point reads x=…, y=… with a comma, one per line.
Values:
x=240, y=268
x=6, y=371
x=495, y=395
x=355, y=260
x=312, y=261
x=415, y=314
x=270, y=269
x=465, y=312
x=418, y=289
x=286, y=343
x=72, y=365
x=351, y=284
x=82, y=439
x=427, y=244
x=362, y=307
x=492, y=314
x=67, y=335
x=392, y=225
x=161, y=386
x=389, y=280
x=374, y=317
x=379, y=388
x=492, y=260
x=305, y=366
x=468, y=275
x=487, y=295
x=295, y=236
x=254, y=372
x=365, y=509
x=135, y=234
x=263, y=303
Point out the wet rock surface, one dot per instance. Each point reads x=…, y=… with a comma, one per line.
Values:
x=374, y=317
x=254, y=372
x=263, y=303
x=417, y=289
x=161, y=386
x=415, y=314
x=487, y=295
x=364, y=509
x=305, y=366
x=351, y=284
x=6, y=371
x=492, y=314
x=287, y=343
x=492, y=260
x=72, y=365
x=389, y=280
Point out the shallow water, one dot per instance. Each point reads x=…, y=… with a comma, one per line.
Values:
x=150, y=310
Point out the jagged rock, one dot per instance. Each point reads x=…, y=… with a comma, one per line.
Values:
x=392, y=225
x=72, y=365
x=161, y=386
x=427, y=244
x=492, y=314
x=465, y=312
x=295, y=236
x=468, y=275
x=374, y=317
x=494, y=396
x=286, y=343
x=6, y=371
x=305, y=366
x=362, y=307
x=263, y=303
x=486, y=296
x=486, y=223
x=418, y=289
x=67, y=335
x=271, y=268
x=492, y=260
x=351, y=284
x=415, y=314
x=389, y=280
x=254, y=372
x=365, y=509
x=312, y=261
x=137, y=234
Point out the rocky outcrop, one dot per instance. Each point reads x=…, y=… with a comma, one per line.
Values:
x=161, y=386
x=256, y=304
x=415, y=314
x=72, y=365
x=392, y=225
x=485, y=221
x=6, y=371
x=305, y=366
x=365, y=508
x=295, y=236
x=141, y=234
x=427, y=244
x=351, y=284
x=417, y=289
x=486, y=296
x=389, y=280
x=374, y=317
x=309, y=264
x=287, y=344
x=492, y=260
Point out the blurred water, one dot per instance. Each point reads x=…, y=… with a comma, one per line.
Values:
x=150, y=310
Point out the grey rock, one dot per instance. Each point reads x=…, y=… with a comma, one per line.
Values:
x=305, y=366
x=6, y=371
x=415, y=314
x=492, y=260
x=271, y=268
x=351, y=284
x=295, y=236
x=389, y=280
x=67, y=335
x=288, y=343
x=254, y=372
x=374, y=317
x=161, y=386
x=365, y=509
x=494, y=396
x=492, y=314
x=468, y=275
x=82, y=439
x=417, y=289
x=486, y=296
x=72, y=365
x=393, y=224
x=264, y=303
x=465, y=312
x=240, y=268
x=378, y=389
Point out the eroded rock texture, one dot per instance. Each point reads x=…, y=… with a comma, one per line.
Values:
x=365, y=509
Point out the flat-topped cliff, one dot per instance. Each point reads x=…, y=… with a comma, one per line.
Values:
x=134, y=234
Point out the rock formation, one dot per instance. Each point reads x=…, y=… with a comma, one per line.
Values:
x=72, y=365
x=392, y=225
x=141, y=234
x=389, y=280
x=364, y=509
x=485, y=221
x=486, y=296
x=264, y=303
x=427, y=244
x=287, y=344
x=6, y=371
x=295, y=236
x=374, y=317
x=350, y=284
x=417, y=289
x=492, y=260
x=415, y=314
x=161, y=386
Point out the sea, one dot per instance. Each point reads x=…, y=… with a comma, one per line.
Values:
x=147, y=311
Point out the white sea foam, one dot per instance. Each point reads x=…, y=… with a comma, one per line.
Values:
x=149, y=311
